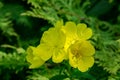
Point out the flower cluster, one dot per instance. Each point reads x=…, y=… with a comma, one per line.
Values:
x=64, y=42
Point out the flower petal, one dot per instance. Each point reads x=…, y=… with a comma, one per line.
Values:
x=83, y=32
x=53, y=37
x=72, y=60
x=32, y=58
x=70, y=30
x=44, y=52
x=58, y=55
x=85, y=63
x=86, y=48
x=30, y=53
x=36, y=62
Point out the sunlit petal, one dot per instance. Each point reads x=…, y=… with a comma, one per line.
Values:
x=72, y=60
x=85, y=63
x=53, y=37
x=58, y=56
x=34, y=60
x=86, y=48
x=30, y=54
x=44, y=52
x=83, y=32
x=37, y=62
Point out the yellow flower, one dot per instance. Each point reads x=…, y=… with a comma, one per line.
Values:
x=52, y=44
x=79, y=49
x=81, y=55
x=69, y=41
x=32, y=57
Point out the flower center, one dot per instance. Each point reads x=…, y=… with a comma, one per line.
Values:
x=74, y=48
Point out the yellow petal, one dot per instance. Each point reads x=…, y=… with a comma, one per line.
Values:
x=88, y=61
x=30, y=54
x=85, y=63
x=43, y=51
x=70, y=29
x=53, y=37
x=58, y=56
x=69, y=41
x=83, y=32
x=32, y=58
x=86, y=48
x=72, y=60
x=36, y=62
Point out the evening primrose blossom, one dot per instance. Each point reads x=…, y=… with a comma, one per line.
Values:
x=64, y=42
x=80, y=50
x=80, y=55
x=51, y=46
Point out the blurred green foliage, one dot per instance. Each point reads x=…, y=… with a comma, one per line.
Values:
x=22, y=23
